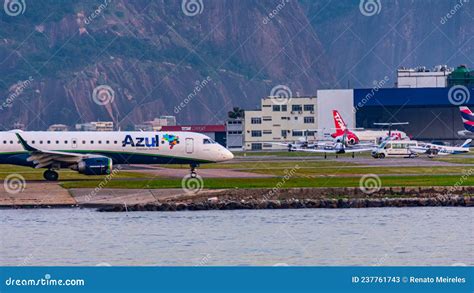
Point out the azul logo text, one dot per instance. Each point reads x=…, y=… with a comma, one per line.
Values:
x=141, y=141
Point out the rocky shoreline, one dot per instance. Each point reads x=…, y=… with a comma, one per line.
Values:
x=212, y=204
x=119, y=200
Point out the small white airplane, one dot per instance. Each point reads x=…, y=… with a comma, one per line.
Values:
x=95, y=153
x=434, y=149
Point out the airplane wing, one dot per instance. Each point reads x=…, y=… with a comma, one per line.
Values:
x=358, y=150
x=420, y=150
x=44, y=158
x=321, y=151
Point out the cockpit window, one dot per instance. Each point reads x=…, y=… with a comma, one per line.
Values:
x=208, y=141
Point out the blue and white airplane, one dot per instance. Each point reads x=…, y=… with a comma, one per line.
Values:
x=95, y=153
x=432, y=150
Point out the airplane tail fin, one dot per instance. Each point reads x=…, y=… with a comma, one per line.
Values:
x=467, y=118
x=467, y=143
x=339, y=123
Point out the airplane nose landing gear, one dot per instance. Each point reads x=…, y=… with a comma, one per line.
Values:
x=193, y=169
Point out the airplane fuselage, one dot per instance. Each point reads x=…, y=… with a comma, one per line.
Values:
x=122, y=147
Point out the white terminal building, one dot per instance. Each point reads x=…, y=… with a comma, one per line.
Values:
x=279, y=120
x=420, y=77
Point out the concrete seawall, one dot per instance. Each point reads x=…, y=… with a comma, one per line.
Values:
x=51, y=196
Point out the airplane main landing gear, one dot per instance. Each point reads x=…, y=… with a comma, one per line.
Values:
x=193, y=170
x=51, y=175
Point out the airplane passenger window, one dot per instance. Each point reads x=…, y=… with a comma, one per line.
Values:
x=41, y=142
x=11, y=141
x=107, y=142
x=49, y=141
x=115, y=142
x=99, y=141
x=57, y=142
x=83, y=142
x=33, y=141
x=4, y=142
x=92, y=142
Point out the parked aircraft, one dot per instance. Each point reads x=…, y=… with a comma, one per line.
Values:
x=355, y=136
x=95, y=153
x=341, y=147
x=432, y=150
x=468, y=121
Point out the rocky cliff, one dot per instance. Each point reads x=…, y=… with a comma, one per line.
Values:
x=196, y=59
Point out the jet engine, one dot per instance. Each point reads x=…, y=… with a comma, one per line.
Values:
x=95, y=166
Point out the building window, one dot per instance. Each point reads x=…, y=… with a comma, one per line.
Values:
x=267, y=132
x=283, y=133
x=296, y=108
x=267, y=118
x=256, y=133
x=284, y=108
x=276, y=108
x=256, y=120
x=256, y=146
x=309, y=120
x=298, y=133
x=309, y=107
x=310, y=133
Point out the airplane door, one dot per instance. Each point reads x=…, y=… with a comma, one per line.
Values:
x=189, y=145
x=74, y=143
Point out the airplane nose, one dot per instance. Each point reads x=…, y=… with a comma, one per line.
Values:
x=226, y=155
